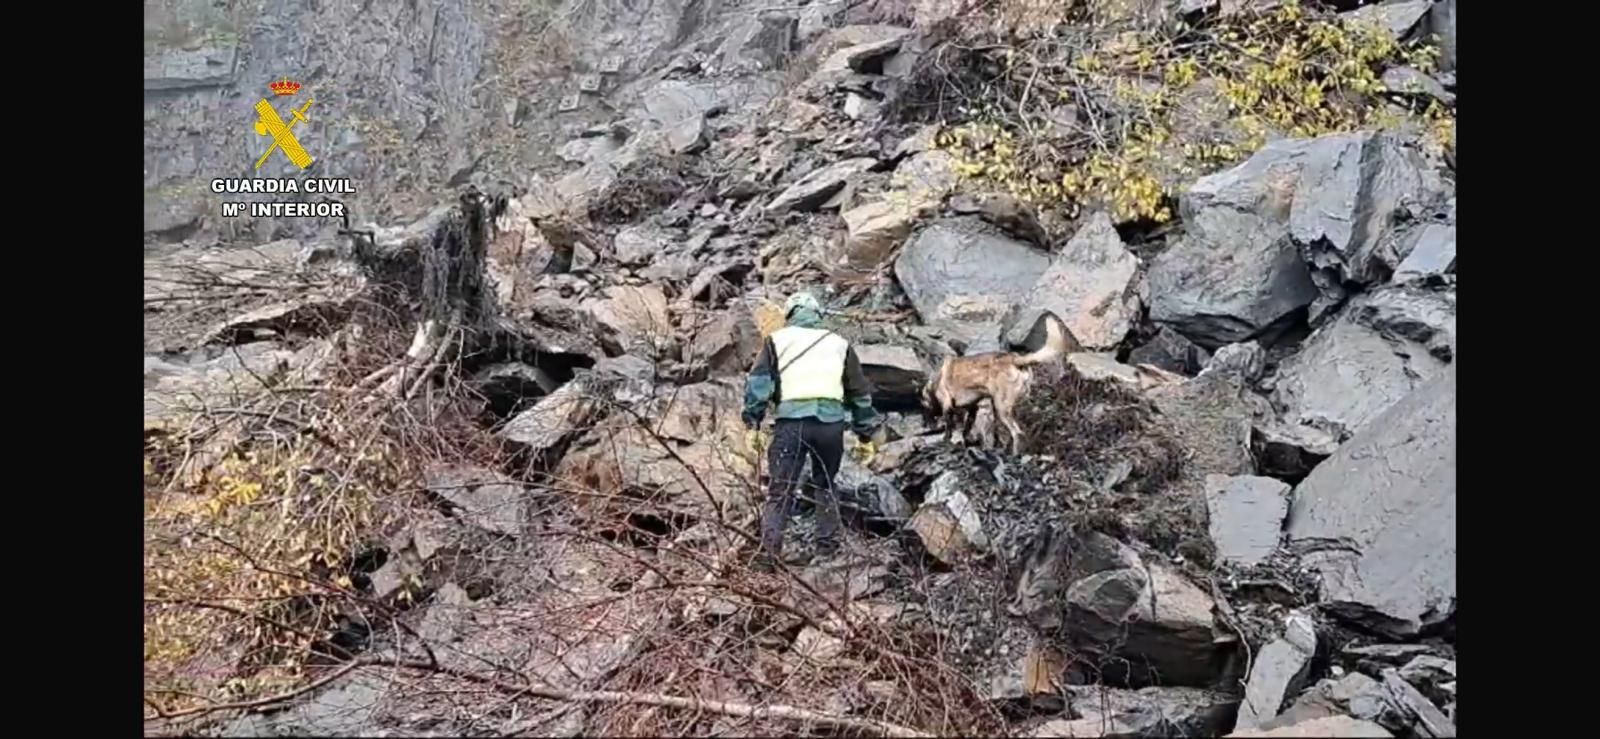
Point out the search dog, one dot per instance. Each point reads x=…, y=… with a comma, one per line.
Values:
x=1001, y=377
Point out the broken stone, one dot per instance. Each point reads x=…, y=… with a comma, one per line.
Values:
x=1246, y=514
x=1289, y=227
x=627, y=462
x=1355, y=695
x=922, y=140
x=1351, y=370
x=1171, y=351
x=896, y=373
x=858, y=107
x=486, y=501
x=1032, y=673
x=925, y=179
x=1350, y=188
x=1318, y=727
x=560, y=416
x=1432, y=255
x=1392, y=653
x=729, y=344
x=873, y=496
x=1278, y=671
x=1377, y=519
x=1397, y=19
x=875, y=229
x=1088, y=285
x=1434, y=676
x=1409, y=80
x=1430, y=721
x=963, y=277
x=1154, y=711
x=637, y=245
x=688, y=136
x=1232, y=275
x=847, y=581
x=1151, y=616
x=814, y=189
x=813, y=644
x=947, y=523
x=633, y=317
x=445, y=615
x=1289, y=451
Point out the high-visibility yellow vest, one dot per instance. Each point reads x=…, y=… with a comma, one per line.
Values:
x=818, y=372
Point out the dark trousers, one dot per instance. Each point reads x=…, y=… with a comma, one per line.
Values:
x=794, y=441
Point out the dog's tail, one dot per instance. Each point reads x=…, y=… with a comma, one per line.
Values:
x=1058, y=341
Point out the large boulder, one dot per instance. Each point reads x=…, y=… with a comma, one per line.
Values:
x=728, y=344
x=561, y=416
x=1090, y=284
x=632, y=318
x=1379, y=349
x=1143, y=620
x=1377, y=519
x=690, y=461
x=1289, y=227
x=963, y=276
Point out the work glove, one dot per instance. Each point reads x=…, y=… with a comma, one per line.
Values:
x=867, y=446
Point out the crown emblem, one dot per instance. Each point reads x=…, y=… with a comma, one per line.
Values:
x=284, y=87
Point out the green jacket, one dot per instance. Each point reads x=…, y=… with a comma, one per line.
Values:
x=761, y=388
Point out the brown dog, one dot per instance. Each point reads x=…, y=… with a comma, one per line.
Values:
x=1001, y=377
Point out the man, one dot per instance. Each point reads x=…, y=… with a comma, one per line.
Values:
x=817, y=381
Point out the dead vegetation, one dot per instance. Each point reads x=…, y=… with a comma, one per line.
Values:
x=269, y=524
x=1116, y=104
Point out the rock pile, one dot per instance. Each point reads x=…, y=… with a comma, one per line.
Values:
x=1252, y=457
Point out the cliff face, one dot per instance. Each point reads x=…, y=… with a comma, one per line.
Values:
x=409, y=97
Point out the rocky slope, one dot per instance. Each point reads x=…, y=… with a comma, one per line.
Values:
x=507, y=413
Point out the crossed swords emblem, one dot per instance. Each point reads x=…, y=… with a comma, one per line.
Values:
x=269, y=124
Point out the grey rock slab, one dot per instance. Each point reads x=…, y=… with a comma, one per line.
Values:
x=1089, y=285
x=1286, y=229
x=1377, y=519
x=1410, y=80
x=1278, y=671
x=1432, y=254
x=1151, y=616
x=1397, y=19
x=637, y=245
x=486, y=500
x=961, y=273
x=1430, y=721
x=1378, y=350
x=814, y=189
x=561, y=416
x=1246, y=514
